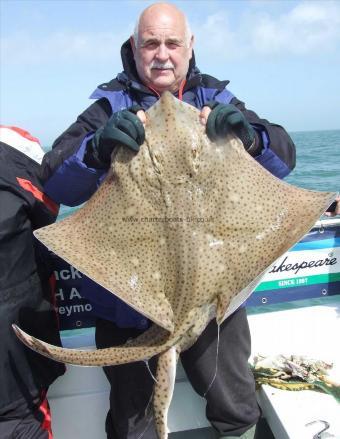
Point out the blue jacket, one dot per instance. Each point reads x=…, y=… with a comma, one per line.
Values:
x=64, y=166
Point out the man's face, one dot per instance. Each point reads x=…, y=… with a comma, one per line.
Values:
x=162, y=55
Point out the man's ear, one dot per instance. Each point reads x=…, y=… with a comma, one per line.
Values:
x=133, y=45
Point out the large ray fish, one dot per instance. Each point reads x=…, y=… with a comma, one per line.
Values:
x=182, y=232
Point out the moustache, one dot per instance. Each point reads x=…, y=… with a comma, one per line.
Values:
x=159, y=65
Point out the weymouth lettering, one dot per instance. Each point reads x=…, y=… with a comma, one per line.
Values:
x=302, y=265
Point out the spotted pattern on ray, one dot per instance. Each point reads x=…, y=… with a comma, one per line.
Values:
x=181, y=232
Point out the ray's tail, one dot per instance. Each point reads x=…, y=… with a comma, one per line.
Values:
x=164, y=388
x=152, y=342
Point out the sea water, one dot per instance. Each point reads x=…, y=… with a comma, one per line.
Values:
x=317, y=160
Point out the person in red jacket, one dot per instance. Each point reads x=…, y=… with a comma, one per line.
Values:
x=26, y=287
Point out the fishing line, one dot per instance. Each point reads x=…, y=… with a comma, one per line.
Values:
x=150, y=417
x=150, y=372
x=216, y=364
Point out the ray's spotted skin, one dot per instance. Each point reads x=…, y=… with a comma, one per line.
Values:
x=182, y=232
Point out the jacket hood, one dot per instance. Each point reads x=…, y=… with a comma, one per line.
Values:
x=22, y=141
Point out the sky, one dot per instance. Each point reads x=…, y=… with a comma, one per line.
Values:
x=282, y=57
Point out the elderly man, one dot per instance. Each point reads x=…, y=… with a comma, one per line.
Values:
x=157, y=58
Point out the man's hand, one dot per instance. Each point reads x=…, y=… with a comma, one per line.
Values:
x=336, y=211
x=124, y=127
x=224, y=119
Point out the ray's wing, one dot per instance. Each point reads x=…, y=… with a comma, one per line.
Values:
x=118, y=239
x=256, y=218
x=132, y=237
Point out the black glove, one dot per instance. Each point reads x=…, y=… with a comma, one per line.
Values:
x=225, y=119
x=123, y=128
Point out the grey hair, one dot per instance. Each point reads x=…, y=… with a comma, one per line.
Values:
x=188, y=33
